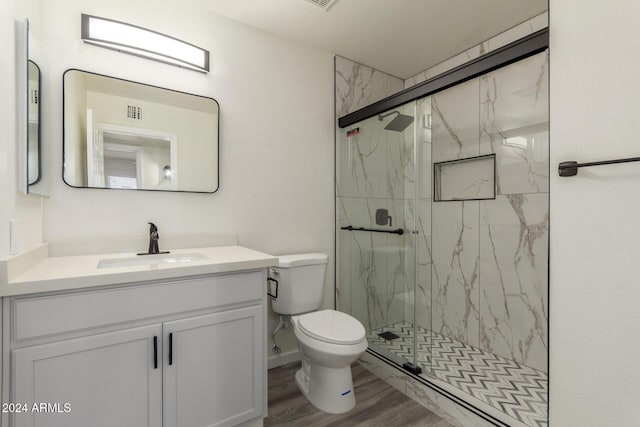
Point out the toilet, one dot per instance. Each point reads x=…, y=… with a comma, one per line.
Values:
x=329, y=341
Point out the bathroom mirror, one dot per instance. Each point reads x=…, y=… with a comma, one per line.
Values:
x=34, y=168
x=120, y=134
x=28, y=112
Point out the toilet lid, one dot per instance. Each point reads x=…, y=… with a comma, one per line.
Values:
x=332, y=326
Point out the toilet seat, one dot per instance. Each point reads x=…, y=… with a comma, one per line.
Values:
x=331, y=326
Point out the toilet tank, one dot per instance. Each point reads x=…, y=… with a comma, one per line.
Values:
x=300, y=283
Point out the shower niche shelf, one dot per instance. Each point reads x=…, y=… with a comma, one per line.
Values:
x=472, y=178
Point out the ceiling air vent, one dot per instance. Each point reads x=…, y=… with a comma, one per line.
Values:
x=324, y=4
x=134, y=112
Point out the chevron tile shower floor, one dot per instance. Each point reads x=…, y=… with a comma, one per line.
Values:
x=516, y=390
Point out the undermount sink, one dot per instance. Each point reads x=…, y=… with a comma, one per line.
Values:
x=150, y=260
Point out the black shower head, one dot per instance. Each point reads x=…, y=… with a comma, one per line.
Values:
x=399, y=123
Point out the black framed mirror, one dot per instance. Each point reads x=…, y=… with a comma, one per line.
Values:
x=34, y=149
x=120, y=134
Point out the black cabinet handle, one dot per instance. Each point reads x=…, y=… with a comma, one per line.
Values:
x=171, y=349
x=155, y=352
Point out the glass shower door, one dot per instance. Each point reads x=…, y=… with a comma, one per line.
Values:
x=464, y=174
x=423, y=268
x=376, y=244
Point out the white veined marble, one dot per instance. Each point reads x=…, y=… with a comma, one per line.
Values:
x=373, y=162
x=512, y=34
x=514, y=234
x=372, y=166
x=455, y=123
x=465, y=179
x=456, y=273
x=375, y=276
x=358, y=85
x=489, y=272
x=514, y=124
x=476, y=269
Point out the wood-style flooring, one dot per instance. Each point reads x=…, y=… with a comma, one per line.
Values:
x=377, y=404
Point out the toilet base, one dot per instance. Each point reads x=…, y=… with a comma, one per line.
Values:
x=328, y=389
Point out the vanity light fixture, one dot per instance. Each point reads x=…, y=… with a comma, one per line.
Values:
x=139, y=41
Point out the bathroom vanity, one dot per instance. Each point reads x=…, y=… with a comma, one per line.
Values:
x=141, y=341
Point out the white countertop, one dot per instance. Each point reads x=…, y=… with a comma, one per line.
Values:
x=75, y=272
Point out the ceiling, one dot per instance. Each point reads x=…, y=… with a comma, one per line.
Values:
x=399, y=37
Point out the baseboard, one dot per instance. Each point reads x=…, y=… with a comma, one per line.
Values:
x=283, y=359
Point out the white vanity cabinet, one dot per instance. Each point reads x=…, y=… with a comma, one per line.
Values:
x=107, y=379
x=181, y=353
x=213, y=375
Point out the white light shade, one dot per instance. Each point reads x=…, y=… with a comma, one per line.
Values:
x=142, y=42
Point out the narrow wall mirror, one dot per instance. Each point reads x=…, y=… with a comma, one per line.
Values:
x=28, y=111
x=34, y=168
x=120, y=134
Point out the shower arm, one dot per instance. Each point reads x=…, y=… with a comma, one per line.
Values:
x=382, y=116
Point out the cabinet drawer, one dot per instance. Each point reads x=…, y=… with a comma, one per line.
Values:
x=55, y=314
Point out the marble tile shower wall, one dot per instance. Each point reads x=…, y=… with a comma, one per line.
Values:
x=528, y=27
x=510, y=318
x=371, y=168
x=489, y=275
x=358, y=85
x=374, y=263
x=480, y=242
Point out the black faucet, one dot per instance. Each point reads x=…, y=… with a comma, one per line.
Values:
x=153, y=241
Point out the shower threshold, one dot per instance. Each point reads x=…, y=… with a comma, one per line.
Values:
x=511, y=388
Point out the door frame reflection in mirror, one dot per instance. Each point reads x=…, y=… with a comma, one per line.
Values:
x=169, y=170
x=124, y=134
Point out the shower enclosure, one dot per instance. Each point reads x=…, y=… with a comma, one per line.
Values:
x=442, y=235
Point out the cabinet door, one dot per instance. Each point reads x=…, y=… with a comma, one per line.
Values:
x=214, y=375
x=107, y=379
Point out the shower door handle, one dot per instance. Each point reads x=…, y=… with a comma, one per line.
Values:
x=398, y=231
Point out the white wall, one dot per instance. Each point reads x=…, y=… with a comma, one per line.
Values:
x=7, y=123
x=276, y=134
x=595, y=236
x=27, y=210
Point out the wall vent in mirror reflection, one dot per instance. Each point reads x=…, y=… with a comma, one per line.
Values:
x=110, y=143
x=134, y=112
